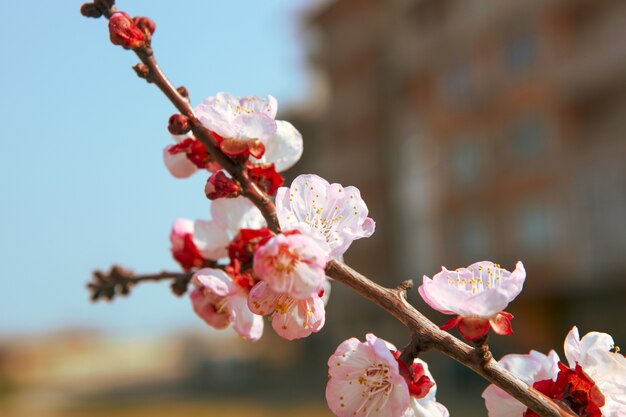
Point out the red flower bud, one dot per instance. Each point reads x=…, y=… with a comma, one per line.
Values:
x=145, y=24
x=219, y=186
x=178, y=124
x=124, y=32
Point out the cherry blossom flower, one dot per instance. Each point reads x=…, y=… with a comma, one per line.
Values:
x=291, y=318
x=183, y=249
x=597, y=355
x=292, y=263
x=219, y=301
x=364, y=379
x=530, y=368
x=187, y=156
x=338, y=214
x=593, y=385
x=212, y=237
x=477, y=294
x=243, y=125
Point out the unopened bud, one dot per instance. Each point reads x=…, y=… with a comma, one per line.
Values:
x=104, y=4
x=182, y=90
x=219, y=186
x=178, y=124
x=90, y=10
x=124, y=32
x=145, y=24
x=142, y=71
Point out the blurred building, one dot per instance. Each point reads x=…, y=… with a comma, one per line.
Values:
x=480, y=129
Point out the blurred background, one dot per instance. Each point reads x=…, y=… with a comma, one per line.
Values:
x=474, y=129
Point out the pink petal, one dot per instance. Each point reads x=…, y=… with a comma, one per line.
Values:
x=215, y=281
x=211, y=239
x=247, y=324
x=178, y=165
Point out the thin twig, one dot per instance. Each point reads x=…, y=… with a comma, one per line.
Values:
x=119, y=281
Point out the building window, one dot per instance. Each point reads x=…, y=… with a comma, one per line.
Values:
x=534, y=228
x=521, y=52
x=473, y=240
x=528, y=139
x=467, y=163
x=456, y=81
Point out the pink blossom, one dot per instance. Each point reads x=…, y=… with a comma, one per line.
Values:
x=212, y=237
x=422, y=389
x=338, y=214
x=477, y=294
x=187, y=156
x=598, y=357
x=183, y=249
x=365, y=380
x=220, y=301
x=291, y=318
x=293, y=264
x=530, y=368
x=597, y=372
x=242, y=124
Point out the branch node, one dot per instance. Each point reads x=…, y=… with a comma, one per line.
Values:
x=143, y=71
x=403, y=287
x=412, y=350
x=481, y=353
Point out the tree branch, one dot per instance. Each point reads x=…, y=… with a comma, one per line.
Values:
x=424, y=332
x=119, y=281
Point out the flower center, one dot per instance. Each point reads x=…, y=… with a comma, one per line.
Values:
x=285, y=261
x=476, y=279
x=376, y=380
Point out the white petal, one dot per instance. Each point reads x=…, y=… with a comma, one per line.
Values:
x=211, y=239
x=234, y=214
x=284, y=148
x=178, y=164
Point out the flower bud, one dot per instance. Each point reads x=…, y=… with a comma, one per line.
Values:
x=219, y=185
x=182, y=90
x=265, y=176
x=90, y=10
x=124, y=32
x=145, y=24
x=178, y=124
x=142, y=71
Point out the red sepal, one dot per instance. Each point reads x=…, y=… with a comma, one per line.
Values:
x=501, y=323
x=419, y=383
x=189, y=257
x=242, y=279
x=265, y=176
x=245, y=244
x=575, y=388
x=220, y=186
x=196, y=152
x=471, y=328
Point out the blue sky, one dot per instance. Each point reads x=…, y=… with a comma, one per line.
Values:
x=82, y=181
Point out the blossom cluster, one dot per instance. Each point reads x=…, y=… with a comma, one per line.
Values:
x=593, y=384
x=243, y=270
